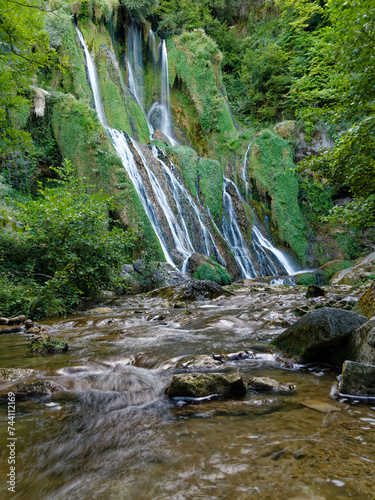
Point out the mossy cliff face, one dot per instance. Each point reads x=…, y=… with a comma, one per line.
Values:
x=198, y=100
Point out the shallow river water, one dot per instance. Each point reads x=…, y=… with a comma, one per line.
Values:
x=111, y=433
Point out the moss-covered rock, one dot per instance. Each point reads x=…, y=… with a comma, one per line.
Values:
x=197, y=385
x=314, y=335
x=190, y=291
x=361, y=272
x=47, y=344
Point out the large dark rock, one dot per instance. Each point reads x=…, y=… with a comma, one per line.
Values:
x=197, y=385
x=314, y=335
x=361, y=345
x=358, y=379
x=191, y=290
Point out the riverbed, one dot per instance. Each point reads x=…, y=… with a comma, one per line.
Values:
x=110, y=432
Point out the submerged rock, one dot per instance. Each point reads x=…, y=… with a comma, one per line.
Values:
x=197, y=385
x=190, y=291
x=29, y=390
x=358, y=379
x=313, y=335
x=11, y=374
x=269, y=384
x=46, y=344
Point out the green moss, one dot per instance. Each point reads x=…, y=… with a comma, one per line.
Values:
x=49, y=345
x=212, y=271
x=83, y=141
x=306, y=279
x=206, y=173
x=274, y=184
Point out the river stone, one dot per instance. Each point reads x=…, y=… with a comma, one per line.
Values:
x=361, y=345
x=11, y=374
x=312, y=336
x=269, y=384
x=190, y=291
x=10, y=329
x=4, y=321
x=200, y=362
x=366, y=303
x=198, y=385
x=99, y=310
x=29, y=390
x=358, y=379
x=17, y=320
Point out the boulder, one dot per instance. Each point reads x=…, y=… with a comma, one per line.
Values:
x=269, y=384
x=312, y=336
x=4, y=321
x=358, y=379
x=30, y=390
x=46, y=344
x=17, y=320
x=190, y=291
x=314, y=291
x=146, y=276
x=12, y=374
x=198, y=385
x=10, y=329
x=366, y=303
x=360, y=272
x=361, y=345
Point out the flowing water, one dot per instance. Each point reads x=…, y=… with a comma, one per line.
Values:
x=109, y=432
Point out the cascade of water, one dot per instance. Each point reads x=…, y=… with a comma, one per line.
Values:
x=152, y=45
x=135, y=61
x=244, y=171
x=233, y=236
x=160, y=115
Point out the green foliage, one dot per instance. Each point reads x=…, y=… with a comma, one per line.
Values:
x=315, y=198
x=331, y=269
x=306, y=279
x=212, y=271
x=71, y=248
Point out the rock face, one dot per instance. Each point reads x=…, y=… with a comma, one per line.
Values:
x=361, y=345
x=366, y=303
x=360, y=272
x=269, y=384
x=312, y=336
x=190, y=291
x=358, y=379
x=197, y=385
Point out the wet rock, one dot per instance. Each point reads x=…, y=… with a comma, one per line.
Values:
x=146, y=276
x=269, y=384
x=197, y=385
x=46, y=344
x=319, y=406
x=29, y=324
x=17, y=320
x=314, y=291
x=30, y=390
x=10, y=329
x=190, y=291
x=360, y=272
x=235, y=356
x=314, y=335
x=366, y=303
x=11, y=374
x=100, y=310
x=4, y=321
x=358, y=379
x=200, y=362
x=361, y=345
x=35, y=329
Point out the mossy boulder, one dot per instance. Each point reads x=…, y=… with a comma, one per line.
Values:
x=317, y=333
x=204, y=268
x=47, y=344
x=359, y=273
x=330, y=269
x=190, y=291
x=306, y=279
x=358, y=379
x=366, y=303
x=197, y=385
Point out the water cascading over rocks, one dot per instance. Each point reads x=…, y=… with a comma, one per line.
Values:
x=182, y=226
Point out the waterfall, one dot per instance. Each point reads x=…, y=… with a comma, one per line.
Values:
x=135, y=62
x=160, y=115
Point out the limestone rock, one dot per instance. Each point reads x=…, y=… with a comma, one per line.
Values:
x=360, y=272
x=358, y=379
x=312, y=336
x=190, y=291
x=269, y=384
x=29, y=390
x=361, y=345
x=197, y=385
x=366, y=303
